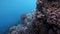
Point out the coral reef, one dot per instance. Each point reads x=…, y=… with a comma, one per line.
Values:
x=44, y=20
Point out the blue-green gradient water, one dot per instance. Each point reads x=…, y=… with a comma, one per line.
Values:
x=11, y=10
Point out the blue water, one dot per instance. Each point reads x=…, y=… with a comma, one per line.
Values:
x=11, y=10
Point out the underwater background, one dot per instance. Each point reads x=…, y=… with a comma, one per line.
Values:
x=11, y=10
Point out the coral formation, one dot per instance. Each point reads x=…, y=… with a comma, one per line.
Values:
x=44, y=20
